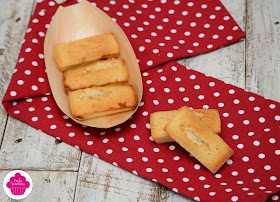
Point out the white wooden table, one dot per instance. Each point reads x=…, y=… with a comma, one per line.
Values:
x=64, y=173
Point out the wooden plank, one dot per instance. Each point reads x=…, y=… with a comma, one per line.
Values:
x=263, y=45
x=47, y=186
x=14, y=16
x=27, y=148
x=228, y=63
x=101, y=181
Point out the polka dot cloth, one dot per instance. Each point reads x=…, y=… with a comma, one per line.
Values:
x=163, y=31
x=160, y=32
x=252, y=173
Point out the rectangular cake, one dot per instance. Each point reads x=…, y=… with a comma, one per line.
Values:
x=158, y=121
x=101, y=101
x=100, y=73
x=85, y=51
x=189, y=131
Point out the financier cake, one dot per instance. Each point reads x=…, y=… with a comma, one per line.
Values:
x=85, y=51
x=159, y=120
x=189, y=131
x=100, y=73
x=101, y=101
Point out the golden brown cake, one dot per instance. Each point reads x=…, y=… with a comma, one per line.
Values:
x=96, y=74
x=85, y=51
x=158, y=121
x=101, y=101
x=189, y=131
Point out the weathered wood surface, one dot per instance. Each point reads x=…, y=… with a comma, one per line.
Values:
x=48, y=186
x=263, y=48
x=252, y=64
x=13, y=21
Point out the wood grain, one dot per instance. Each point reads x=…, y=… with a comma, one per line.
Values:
x=47, y=186
x=14, y=17
x=101, y=181
x=27, y=148
x=263, y=45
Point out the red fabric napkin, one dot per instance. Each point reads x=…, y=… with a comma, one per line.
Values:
x=160, y=32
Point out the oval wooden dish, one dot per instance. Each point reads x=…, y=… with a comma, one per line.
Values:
x=76, y=22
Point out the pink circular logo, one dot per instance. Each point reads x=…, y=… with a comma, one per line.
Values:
x=17, y=184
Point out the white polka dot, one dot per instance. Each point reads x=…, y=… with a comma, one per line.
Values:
x=16, y=112
x=155, y=102
x=251, y=170
x=235, y=137
x=251, y=98
x=236, y=101
x=155, y=51
x=211, y=84
x=226, y=18
x=240, y=146
x=216, y=36
x=192, y=24
x=170, y=101
x=235, y=28
x=245, y=158
x=133, y=126
x=20, y=82
x=202, y=178
x=35, y=40
x=201, y=97
x=196, y=87
x=149, y=170
x=27, y=72
x=256, y=180
x=109, y=151
x=167, y=90
x=201, y=35
x=273, y=178
x=186, y=99
x=195, y=44
x=152, y=90
x=31, y=109
x=190, y=4
x=41, y=34
x=169, y=55
x=234, y=198
x=216, y=94
x=27, y=50
x=163, y=78
x=185, y=179
x=206, y=186
x=184, y=13
x=140, y=149
x=277, y=118
x=277, y=152
x=212, y=193
x=210, y=46
x=13, y=93
x=198, y=15
x=228, y=190
x=169, y=180
x=229, y=38
x=171, y=147
x=246, y=122
x=177, y=79
x=203, y=6
x=234, y=173
x=129, y=160
x=35, y=20
x=221, y=27
x=206, y=26
x=212, y=17
x=256, y=143
x=187, y=33
x=225, y=114
x=267, y=167
x=34, y=63
x=272, y=140
x=141, y=48
x=218, y=175
x=261, y=120
x=221, y=104
x=190, y=189
x=53, y=127
x=197, y=166
x=190, y=51
x=241, y=112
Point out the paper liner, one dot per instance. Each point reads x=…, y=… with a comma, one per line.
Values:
x=76, y=22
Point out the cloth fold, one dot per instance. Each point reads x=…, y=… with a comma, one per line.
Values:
x=160, y=32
